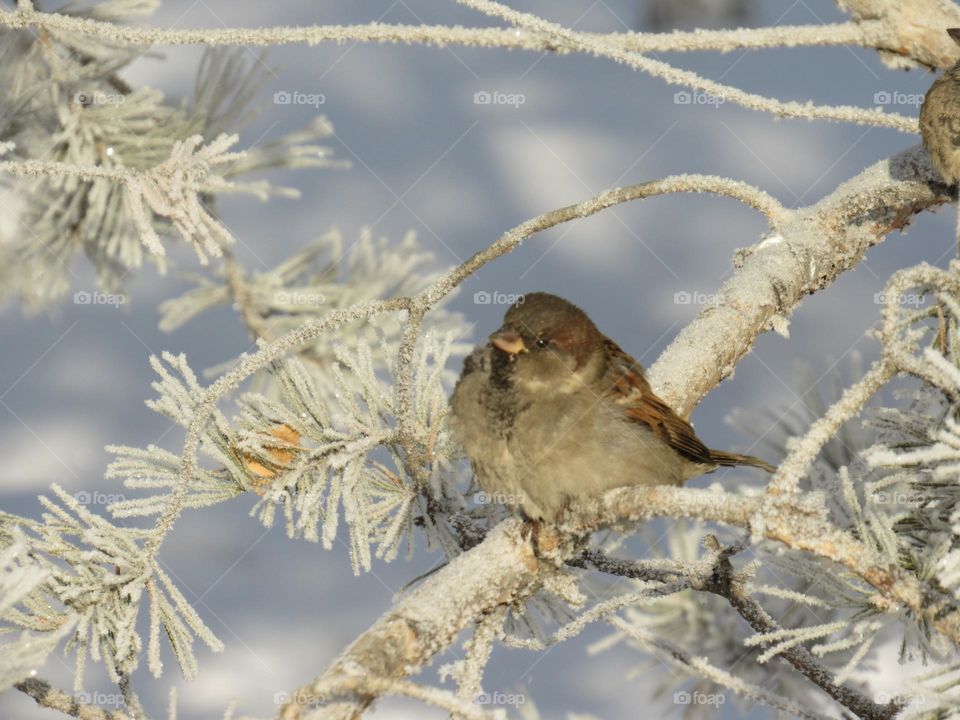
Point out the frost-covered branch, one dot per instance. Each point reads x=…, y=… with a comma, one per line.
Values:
x=804, y=452
x=171, y=190
x=54, y=699
x=702, y=666
x=726, y=582
x=814, y=247
x=677, y=76
x=360, y=686
x=882, y=34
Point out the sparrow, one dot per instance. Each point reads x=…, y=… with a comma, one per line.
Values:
x=940, y=121
x=551, y=412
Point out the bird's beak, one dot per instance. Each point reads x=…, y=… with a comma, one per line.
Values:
x=508, y=341
x=955, y=34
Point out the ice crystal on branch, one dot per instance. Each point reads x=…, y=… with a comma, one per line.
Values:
x=320, y=279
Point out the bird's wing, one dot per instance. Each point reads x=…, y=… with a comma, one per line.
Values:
x=629, y=388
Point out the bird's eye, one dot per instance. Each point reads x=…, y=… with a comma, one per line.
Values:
x=542, y=342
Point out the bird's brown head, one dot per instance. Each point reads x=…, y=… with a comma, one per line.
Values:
x=551, y=343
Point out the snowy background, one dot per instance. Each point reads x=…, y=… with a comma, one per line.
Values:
x=426, y=157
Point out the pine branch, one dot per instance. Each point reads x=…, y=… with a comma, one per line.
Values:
x=727, y=583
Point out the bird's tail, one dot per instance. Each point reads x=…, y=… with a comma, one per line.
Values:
x=729, y=459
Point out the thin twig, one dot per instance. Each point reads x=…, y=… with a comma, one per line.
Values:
x=50, y=697
x=676, y=76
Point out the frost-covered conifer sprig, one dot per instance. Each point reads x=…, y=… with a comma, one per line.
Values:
x=95, y=576
x=21, y=577
x=311, y=452
x=321, y=278
x=87, y=133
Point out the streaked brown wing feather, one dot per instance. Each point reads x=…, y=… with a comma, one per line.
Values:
x=629, y=387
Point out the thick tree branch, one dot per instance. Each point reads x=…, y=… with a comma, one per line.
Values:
x=815, y=246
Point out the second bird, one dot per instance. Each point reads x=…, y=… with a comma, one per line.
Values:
x=551, y=411
x=940, y=121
